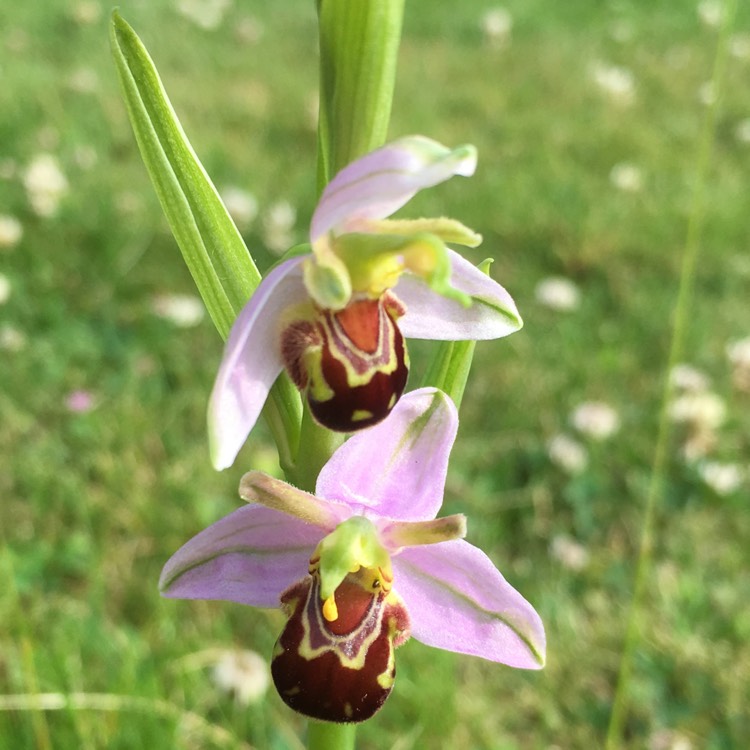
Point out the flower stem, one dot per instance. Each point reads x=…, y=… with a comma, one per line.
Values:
x=322, y=735
x=316, y=446
x=359, y=44
x=658, y=473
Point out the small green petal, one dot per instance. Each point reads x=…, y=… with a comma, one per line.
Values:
x=448, y=230
x=354, y=544
x=375, y=262
x=327, y=279
x=417, y=533
x=257, y=487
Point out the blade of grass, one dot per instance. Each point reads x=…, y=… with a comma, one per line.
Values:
x=108, y=702
x=655, y=491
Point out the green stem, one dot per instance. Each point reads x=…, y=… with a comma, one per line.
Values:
x=316, y=446
x=322, y=735
x=658, y=473
x=358, y=52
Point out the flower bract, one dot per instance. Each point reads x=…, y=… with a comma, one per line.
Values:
x=360, y=566
x=335, y=317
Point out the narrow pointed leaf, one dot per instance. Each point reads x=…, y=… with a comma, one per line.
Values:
x=210, y=243
x=214, y=251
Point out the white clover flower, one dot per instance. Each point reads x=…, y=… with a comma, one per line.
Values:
x=86, y=12
x=739, y=46
x=570, y=553
x=128, y=203
x=742, y=131
x=84, y=81
x=11, y=231
x=207, y=14
x=5, y=289
x=738, y=352
x=241, y=204
x=698, y=444
x=497, y=23
x=11, y=339
x=722, y=478
x=45, y=184
x=685, y=377
x=615, y=81
x=85, y=156
x=626, y=177
x=596, y=420
x=668, y=739
x=567, y=454
x=739, y=356
x=278, y=224
x=243, y=674
x=249, y=30
x=711, y=13
x=700, y=409
x=707, y=94
x=558, y=293
x=184, y=310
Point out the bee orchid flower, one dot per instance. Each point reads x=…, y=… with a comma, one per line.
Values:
x=360, y=566
x=335, y=318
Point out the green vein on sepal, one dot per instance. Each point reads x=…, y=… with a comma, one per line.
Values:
x=451, y=363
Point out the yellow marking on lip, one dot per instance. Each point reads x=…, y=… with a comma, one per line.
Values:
x=359, y=415
x=330, y=610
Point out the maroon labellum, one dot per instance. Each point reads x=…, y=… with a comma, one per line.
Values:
x=340, y=670
x=352, y=363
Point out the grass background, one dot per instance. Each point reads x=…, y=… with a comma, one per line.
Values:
x=91, y=505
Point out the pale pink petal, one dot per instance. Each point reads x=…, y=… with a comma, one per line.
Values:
x=459, y=601
x=382, y=181
x=250, y=556
x=429, y=315
x=252, y=362
x=397, y=468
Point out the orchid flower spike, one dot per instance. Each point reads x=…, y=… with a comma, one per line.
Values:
x=335, y=318
x=360, y=566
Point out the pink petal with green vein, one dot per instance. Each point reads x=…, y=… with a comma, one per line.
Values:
x=459, y=601
x=397, y=468
x=429, y=315
x=251, y=362
x=382, y=181
x=250, y=556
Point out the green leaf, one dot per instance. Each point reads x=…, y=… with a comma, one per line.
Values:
x=211, y=245
x=451, y=364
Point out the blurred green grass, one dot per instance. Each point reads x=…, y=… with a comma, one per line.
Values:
x=94, y=503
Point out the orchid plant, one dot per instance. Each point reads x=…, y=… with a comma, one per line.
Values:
x=360, y=566
x=335, y=317
x=317, y=346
